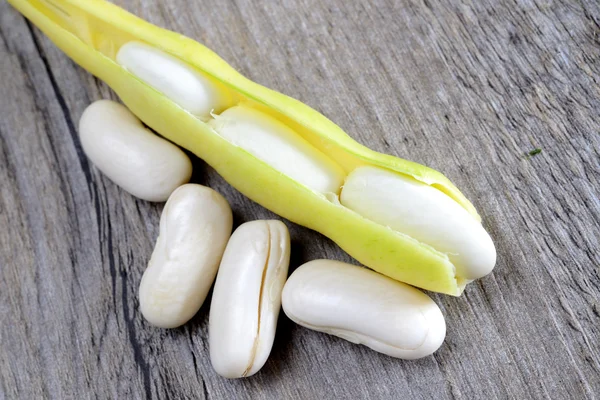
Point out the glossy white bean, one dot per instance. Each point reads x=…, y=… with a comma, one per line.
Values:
x=140, y=162
x=424, y=213
x=279, y=146
x=180, y=82
x=247, y=298
x=364, y=307
x=194, y=228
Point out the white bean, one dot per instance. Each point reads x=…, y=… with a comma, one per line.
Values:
x=364, y=307
x=423, y=213
x=279, y=146
x=187, y=87
x=194, y=227
x=247, y=298
x=137, y=160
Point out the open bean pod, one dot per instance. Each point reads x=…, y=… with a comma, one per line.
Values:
x=94, y=33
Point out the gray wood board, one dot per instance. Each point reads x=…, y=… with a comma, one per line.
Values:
x=466, y=87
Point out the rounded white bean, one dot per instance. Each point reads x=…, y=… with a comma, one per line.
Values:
x=130, y=155
x=364, y=307
x=194, y=228
x=279, y=146
x=423, y=213
x=247, y=298
x=180, y=82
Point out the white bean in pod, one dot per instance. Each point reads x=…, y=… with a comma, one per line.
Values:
x=423, y=213
x=183, y=84
x=279, y=146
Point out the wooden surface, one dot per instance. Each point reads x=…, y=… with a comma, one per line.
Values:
x=467, y=87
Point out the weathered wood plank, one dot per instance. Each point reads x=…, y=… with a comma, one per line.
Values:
x=465, y=87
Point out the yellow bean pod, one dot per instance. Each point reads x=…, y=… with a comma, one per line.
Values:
x=91, y=33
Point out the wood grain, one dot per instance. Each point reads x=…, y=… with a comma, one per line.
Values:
x=467, y=87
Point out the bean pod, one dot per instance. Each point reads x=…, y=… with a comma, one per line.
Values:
x=105, y=39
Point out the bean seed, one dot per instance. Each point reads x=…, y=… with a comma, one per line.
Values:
x=247, y=298
x=137, y=160
x=186, y=86
x=423, y=213
x=364, y=307
x=194, y=228
x=279, y=146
